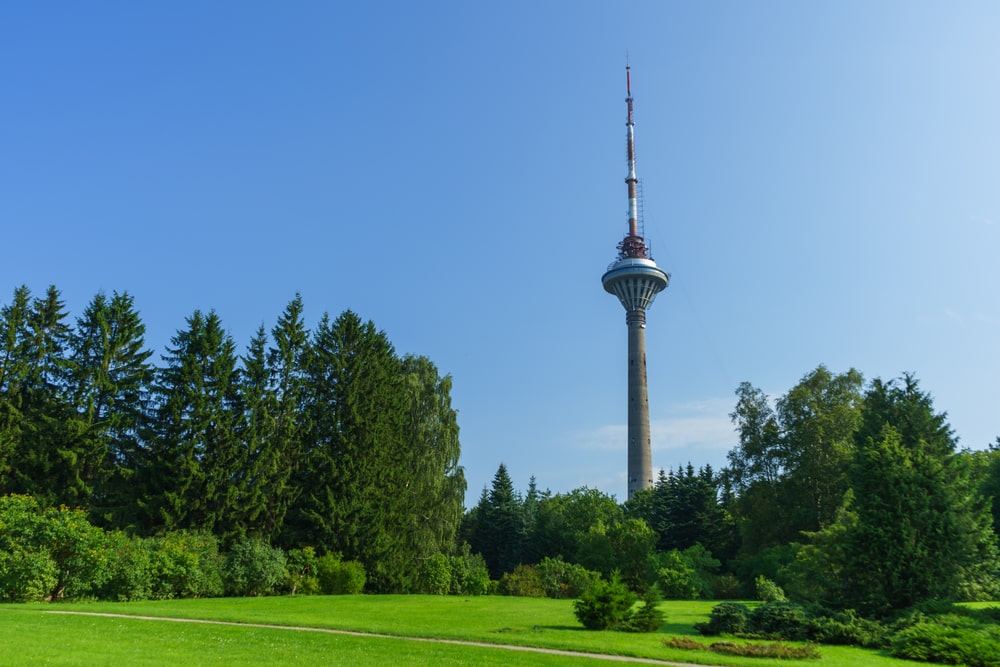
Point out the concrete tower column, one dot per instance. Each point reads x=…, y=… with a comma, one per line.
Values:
x=640, y=460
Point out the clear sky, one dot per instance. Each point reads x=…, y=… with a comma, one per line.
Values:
x=820, y=179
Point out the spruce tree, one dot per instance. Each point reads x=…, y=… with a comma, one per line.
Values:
x=110, y=376
x=194, y=445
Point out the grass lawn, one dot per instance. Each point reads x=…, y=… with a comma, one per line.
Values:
x=31, y=636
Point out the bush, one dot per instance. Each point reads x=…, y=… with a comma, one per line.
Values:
x=300, y=571
x=253, y=567
x=648, y=617
x=768, y=591
x=26, y=576
x=846, y=628
x=949, y=639
x=778, y=620
x=130, y=569
x=605, y=605
x=728, y=618
x=38, y=541
x=469, y=575
x=564, y=580
x=185, y=564
x=523, y=582
x=337, y=577
x=435, y=575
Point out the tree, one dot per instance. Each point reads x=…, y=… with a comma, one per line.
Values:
x=433, y=486
x=564, y=519
x=351, y=482
x=110, y=377
x=500, y=529
x=46, y=450
x=274, y=387
x=195, y=448
x=916, y=529
x=789, y=469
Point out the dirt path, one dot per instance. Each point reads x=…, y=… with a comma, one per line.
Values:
x=456, y=642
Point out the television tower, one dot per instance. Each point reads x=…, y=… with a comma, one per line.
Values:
x=636, y=280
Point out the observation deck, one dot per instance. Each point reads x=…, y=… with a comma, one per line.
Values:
x=635, y=281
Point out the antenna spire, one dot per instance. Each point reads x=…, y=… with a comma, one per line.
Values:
x=633, y=244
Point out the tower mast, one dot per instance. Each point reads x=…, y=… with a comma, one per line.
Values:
x=636, y=280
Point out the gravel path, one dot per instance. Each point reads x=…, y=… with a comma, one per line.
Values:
x=456, y=642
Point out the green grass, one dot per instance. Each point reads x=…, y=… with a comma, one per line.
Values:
x=31, y=636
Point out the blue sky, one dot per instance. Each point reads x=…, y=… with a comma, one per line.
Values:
x=820, y=179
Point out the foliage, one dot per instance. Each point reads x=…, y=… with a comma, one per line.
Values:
x=435, y=575
x=130, y=565
x=469, y=575
x=778, y=620
x=648, y=617
x=48, y=553
x=564, y=580
x=300, y=572
x=524, y=581
x=726, y=587
x=627, y=547
x=186, y=564
x=845, y=628
x=727, y=618
x=686, y=575
x=768, y=591
x=778, y=650
x=605, y=605
x=253, y=567
x=949, y=639
x=339, y=577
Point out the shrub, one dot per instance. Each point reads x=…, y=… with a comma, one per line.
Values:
x=648, y=617
x=300, y=571
x=26, y=576
x=778, y=620
x=253, y=567
x=337, y=577
x=564, y=580
x=605, y=605
x=130, y=569
x=522, y=582
x=435, y=575
x=185, y=564
x=949, y=639
x=469, y=575
x=846, y=628
x=728, y=618
x=780, y=651
x=31, y=536
x=768, y=591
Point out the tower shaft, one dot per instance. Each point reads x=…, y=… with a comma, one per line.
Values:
x=640, y=459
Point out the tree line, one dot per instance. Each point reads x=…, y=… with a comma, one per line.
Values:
x=324, y=439
x=839, y=493
x=326, y=442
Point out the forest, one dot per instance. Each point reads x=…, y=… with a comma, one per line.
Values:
x=327, y=444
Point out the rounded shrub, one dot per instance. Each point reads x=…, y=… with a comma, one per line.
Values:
x=435, y=575
x=604, y=605
x=779, y=620
x=523, y=582
x=727, y=618
x=253, y=567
